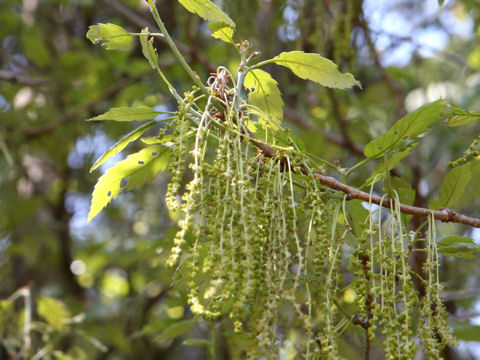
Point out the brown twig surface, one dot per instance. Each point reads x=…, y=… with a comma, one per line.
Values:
x=21, y=78
x=444, y=215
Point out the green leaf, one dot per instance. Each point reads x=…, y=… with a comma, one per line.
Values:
x=264, y=94
x=464, y=330
x=316, y=68
x=393, y=160
x=167, y=138
x=453, y=187
x=197, y=342
x=54, y=311
x=404, y=190
x=458, y=246
x=137, y=113
x=114, y=37
x=222, y=31
x=122, y=143
x=134, y=171
x=148, y=50
x=459, y=117
x=207, y=10
x=407, y=131
x=176, y=329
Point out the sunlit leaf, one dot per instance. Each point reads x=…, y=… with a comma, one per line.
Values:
x=112, y=36
x=460, y=117
x=148, y=50
x=316, y=68
x=134, y=171
x=137, y=113
x=122, y=143
x=54, y=311
x=207, y=10
x=222, y=31
x=453, y=187
x=265, y=94
x=407, y=131
x=458, y=246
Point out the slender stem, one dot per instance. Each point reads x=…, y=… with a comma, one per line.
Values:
x=357, y=165
x=175, y=50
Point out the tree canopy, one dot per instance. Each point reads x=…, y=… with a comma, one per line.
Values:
x=256, y=179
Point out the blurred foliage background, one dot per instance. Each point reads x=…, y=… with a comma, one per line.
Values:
x=100, y=290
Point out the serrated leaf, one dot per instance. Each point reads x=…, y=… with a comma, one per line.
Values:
x=453, y=187
x=54, y=311
x=207, y=10
x=113, y=37
x=125, y=113
x=176, y=329
x=148, y=50
x=460, y=117
x=222, y=31
x=134, y=171
x=458, y=246
x=265, y=94
x=122, y=143
x=316, y=68
x=407, y=131
x=167, y=138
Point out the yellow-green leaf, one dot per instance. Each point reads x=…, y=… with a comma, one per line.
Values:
x=222, y=31
x=459, y=117
x=407, y=131
x=207, y=10
x=453, y=187
x=148, y=50
x=54, y=311
x=134, y=171
x=265, y=94
x=114, y=37
x=316, y=68
x=125, y=113
x=120, y=144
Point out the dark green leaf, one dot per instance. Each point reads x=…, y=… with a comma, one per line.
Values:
x=464, y=330
x=122, y=143
x=114, y=37
x=452, y=187
x=458, y=246
x=407, y=131
x=138, y=113
x=176, y=329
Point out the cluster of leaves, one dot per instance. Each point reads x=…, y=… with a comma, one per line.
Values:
x=113, y=269
x=244, y=274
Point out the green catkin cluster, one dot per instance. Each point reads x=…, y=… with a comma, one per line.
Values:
x=472, y=152
x=262, y=242
x=434, y=332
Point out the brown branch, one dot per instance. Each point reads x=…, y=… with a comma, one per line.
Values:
x=444, y=215
x=20, y=78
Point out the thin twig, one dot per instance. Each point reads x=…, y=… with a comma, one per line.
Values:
x=138, y=20
x=20, y=78
x=444, y=215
